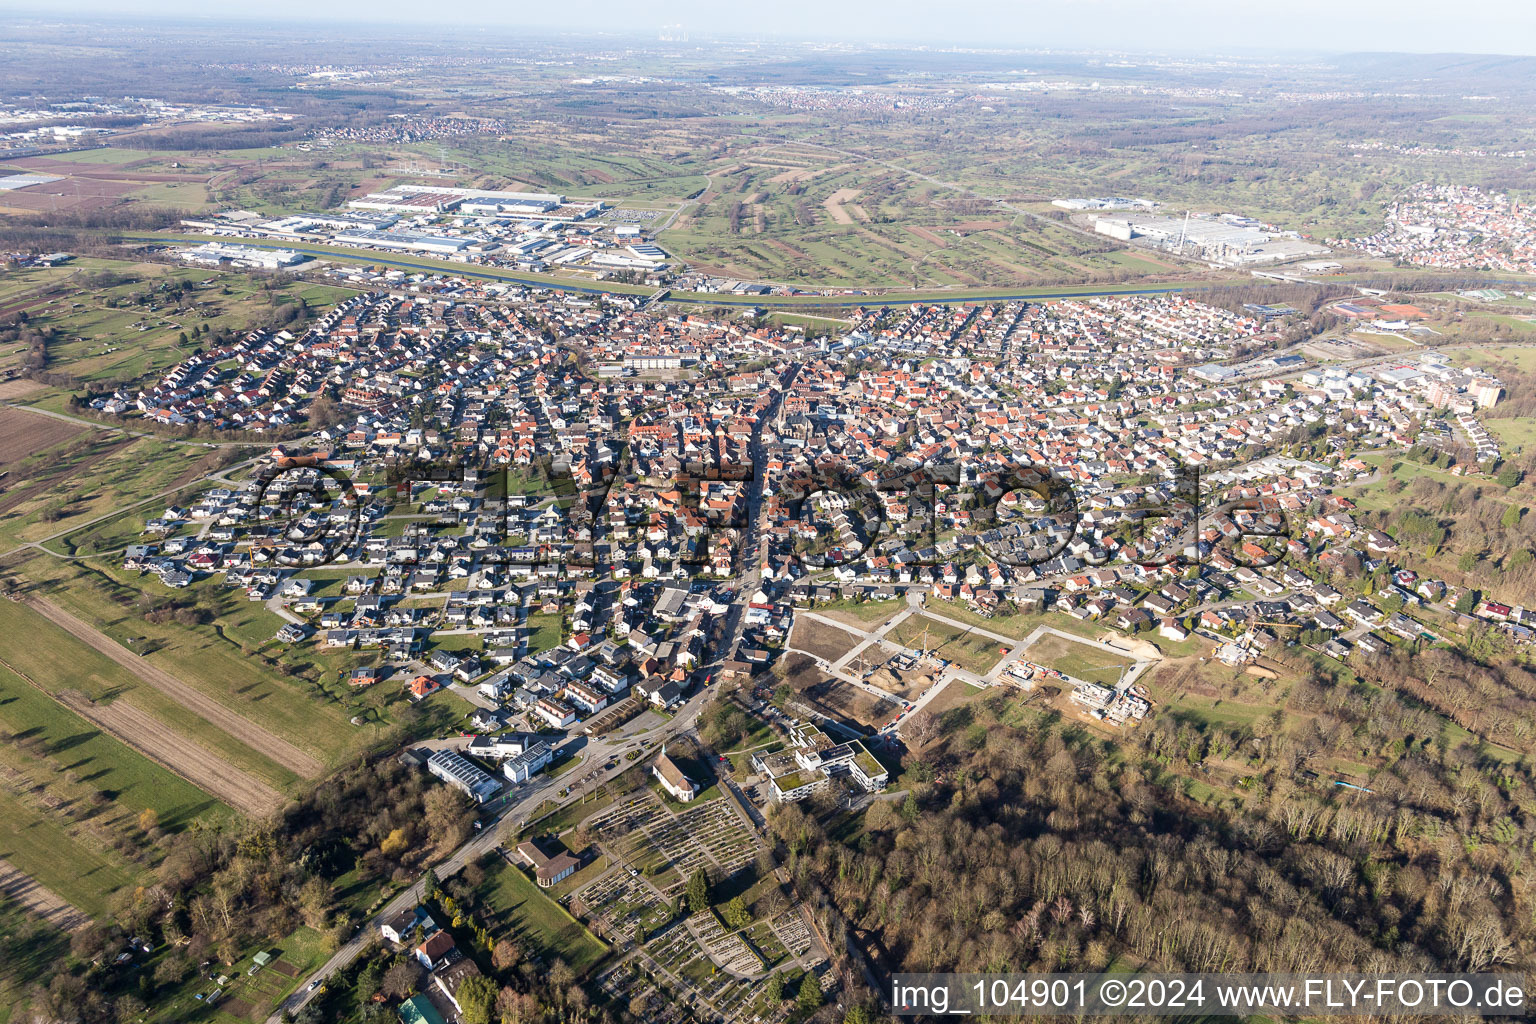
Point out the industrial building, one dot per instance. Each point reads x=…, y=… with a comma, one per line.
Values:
x=473, y=202
x=307, y=224
x=649, y=253
x=1228, y=239
x=457, y=771
x=404, y=241
x=217, y=254
x=1104, y=203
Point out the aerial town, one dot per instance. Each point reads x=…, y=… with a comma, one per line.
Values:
x=598, y=527
x=517, y=518
x=1452, y=227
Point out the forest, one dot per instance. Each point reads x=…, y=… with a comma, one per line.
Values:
x=1041, y=848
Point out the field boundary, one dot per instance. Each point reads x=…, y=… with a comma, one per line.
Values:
x=137, y=728
x=205, y=707
x=143, y=733
x=16, y=884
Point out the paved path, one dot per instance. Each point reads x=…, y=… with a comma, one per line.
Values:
x=847, y=677
x=868, y=638
x=136, y=433
x=219, y=476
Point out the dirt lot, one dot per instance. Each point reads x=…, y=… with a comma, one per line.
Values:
x=834, y=205
x=1079, y=661
x=45, y=903
x=906, y=685
x=152, y=738
x=23, y=489
x=821, y=639
x=1142, y=650
x=958, y=644
x=76, y=194
x=926, y=235
x=918, y=725
x=18, y=388
x=22, y=433
x=791, y=177
x=1352, y=346
x=787, y=249
x=199, y=703
x=833, y=696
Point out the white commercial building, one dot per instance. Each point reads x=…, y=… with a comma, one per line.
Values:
x=219, y=253
x=404, y=241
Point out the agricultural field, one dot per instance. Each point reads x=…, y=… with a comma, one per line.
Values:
x=271, y=180
x=24, y=434
x=803, y=213
x=229, y=658
x=102, y=672
x=102, y=482
x=116, y=321
x=66, y=787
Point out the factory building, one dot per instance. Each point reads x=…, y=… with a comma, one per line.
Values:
x=404, y=241
x=216, y=254
x=458, y=772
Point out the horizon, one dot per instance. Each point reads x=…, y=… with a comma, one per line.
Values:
x=1204, y=28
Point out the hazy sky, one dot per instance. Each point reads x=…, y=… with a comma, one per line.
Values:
x=1249, y=26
